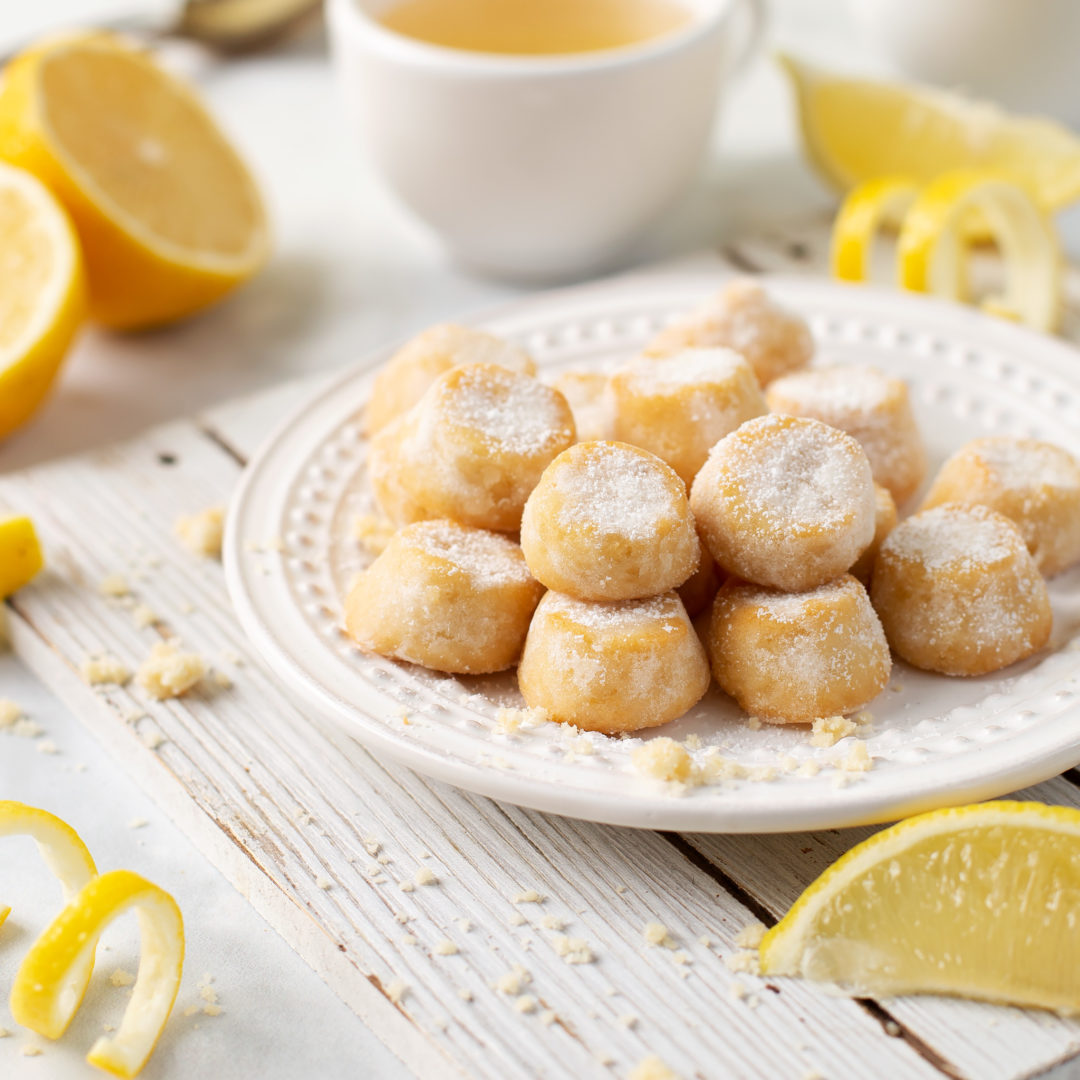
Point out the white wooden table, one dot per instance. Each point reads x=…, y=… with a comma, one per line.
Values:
x=326, y=841
x=284, y=807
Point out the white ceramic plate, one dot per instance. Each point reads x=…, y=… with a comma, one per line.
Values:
x=934, y=740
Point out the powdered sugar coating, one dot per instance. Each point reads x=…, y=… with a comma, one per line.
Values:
x=609, y=522
x=420, y=361
x=446, y=596
x=785, y=502
x=612, y=667
x=679, y=406
x=794, y=657
x=587, y=393
x=958, y=592
x=488, y=557
x=743, y=317
x=966, y=539
x=617, y=615
x=1034, y=484
x=471, y=450
x=870, y=406
x=514, y=413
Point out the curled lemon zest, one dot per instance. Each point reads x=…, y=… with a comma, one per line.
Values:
x=933, y=245
x=865, y=211
x=41, y=997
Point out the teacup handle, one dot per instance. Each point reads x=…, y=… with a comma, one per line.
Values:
x=751, y=19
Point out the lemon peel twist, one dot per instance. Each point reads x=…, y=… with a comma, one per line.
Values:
x=932, y=247
x=41, y=998
x=862, y=215
x=60, y=845
x=52, y=979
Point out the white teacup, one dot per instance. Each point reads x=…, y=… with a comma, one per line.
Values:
x=1022, y=53
x=538, y=168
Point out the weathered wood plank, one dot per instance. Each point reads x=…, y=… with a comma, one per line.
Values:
x=284, y=809
x=984, y=1041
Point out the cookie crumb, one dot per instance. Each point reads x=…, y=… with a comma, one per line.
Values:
x=201, y=533
x=167, y=672
x=104, y=670
x=652, y=1068
x=749, y=937
x=829, y=730
x=657, y=934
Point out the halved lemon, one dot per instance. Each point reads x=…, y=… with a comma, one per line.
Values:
x=979, y=901
x=855, y=130
x=169, y=217
x=43, y=997
x=42, y=294
x=20, y=557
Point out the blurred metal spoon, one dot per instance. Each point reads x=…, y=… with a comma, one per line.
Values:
x=222, y=26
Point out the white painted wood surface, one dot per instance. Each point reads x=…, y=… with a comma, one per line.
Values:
x=292, y=814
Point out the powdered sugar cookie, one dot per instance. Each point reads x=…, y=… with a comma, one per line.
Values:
x=1034, y=484
x=958, y=592
x=472, y=449
x=419, y=362
x=885, y=518
x=587, y=394
x=679, y=406
x=792, y=657
x=786, y=502
x=612, y=667
x=609, y=521
x=742, y=317
x=871, y=407
x=446, y=596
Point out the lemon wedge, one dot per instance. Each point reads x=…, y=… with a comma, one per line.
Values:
x=169, y=217
x=20, y=555
x=43, y=998
x=42, y=294
x=65, y=855
x=932, y=249
x=865, y=211
x=854, y=130
x=979, y=901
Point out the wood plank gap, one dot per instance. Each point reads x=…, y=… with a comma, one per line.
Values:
x=219, y=440
x=731, y=887
x=893, y=1028
x=735, y=256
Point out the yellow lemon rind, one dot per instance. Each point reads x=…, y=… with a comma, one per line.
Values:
x=932, y=250
x=41, y=999
x=863, y=213
x=784, y=947
x=955, y=132
x=136, y=278
x=21, y=559
x=67, y=857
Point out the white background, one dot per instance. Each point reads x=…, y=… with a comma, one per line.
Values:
x=350, y=272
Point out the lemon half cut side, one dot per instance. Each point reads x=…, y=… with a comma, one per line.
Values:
x=977, y=901
x=855, y=130
x=168, y=215
x=41, y=998
x=42, y=294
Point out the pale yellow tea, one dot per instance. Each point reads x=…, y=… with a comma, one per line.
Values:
x=535, y=27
